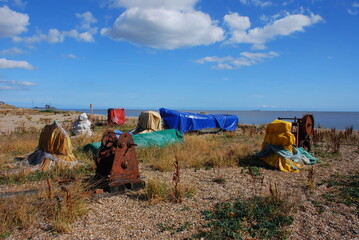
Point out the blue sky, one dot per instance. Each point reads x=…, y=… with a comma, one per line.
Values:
x=188, y=54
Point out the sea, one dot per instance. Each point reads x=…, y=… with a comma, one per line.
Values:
x=322, y=119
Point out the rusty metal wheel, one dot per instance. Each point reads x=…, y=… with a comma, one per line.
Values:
x=307, y=124
x=108, y=139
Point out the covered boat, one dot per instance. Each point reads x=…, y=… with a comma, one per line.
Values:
x=186, y=122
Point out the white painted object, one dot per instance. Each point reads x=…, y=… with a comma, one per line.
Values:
x=82, y=126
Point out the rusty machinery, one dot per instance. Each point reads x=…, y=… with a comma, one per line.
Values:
x=117, y=162
x=302, y=128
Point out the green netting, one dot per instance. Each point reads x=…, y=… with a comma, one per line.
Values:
x=93, y=147
x=299, y=155
x=159, y=139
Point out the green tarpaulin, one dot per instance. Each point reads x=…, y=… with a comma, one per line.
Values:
x=158, y=139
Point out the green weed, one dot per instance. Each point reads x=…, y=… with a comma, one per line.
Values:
x=172, y=228
x=257, y=217
x=344, y=189
x=253, y=171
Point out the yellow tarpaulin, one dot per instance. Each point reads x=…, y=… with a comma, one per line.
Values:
x=54, y=140
x=278, y=133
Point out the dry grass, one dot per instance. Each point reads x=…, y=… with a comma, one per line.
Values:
x=58, y=204
x=67, y=202
x=55, y=206
x=64, y=205
x=17, y=213
x=157, y=190
x=199, y=151
x=6, y=106
x=17, y=144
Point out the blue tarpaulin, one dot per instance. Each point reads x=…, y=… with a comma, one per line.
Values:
x=185, y=121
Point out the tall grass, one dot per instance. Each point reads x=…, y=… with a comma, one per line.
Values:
x=62, y=197
x=68, y=203
x=16, y=144
x=57, y=210
x=17, y=213
x=158, y=190
x=59, y=205
x=197, y=152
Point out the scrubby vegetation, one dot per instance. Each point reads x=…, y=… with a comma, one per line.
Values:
x=344, y=189
x=61, y=196
x=54, y=207
x=257, y=218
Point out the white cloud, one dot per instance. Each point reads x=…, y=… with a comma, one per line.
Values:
x=6, y=64
x=12, y=23
x=164, y=24
x=258, y=3
x=20, y=3
x=236, y=22
x=214, y=59
x=258, y=56
x=286, y=3
x=166, y=4
x=87, y=19
x=281, y=27
x=12, y=51
x=56, y=36
x=270, y=19
x=352, y=12
x=53, y=36
x=245, y=59
x=224, y=66
x=20, y=83
x=85, y=36
x=15, y=85
x=7, y=88
x=71, y=56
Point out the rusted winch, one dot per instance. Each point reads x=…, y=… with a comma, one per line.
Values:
x=302, y=128
x=117, y=162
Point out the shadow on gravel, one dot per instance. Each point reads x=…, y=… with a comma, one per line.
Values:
x=253, y=161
